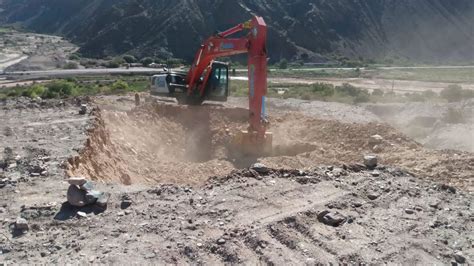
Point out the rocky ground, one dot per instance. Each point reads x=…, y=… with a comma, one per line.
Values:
x=21, y=51
x=315, y=205
x=435, y=125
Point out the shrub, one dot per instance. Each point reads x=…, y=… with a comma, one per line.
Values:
x=323, y=89
x=120, y=85
x=75, y=57
x=362, y=97
x=34, y=91
x=377, y=92
x=453, y=93
x=146, y=61
x=283, y=64
x=129, y=58
x=415, y=97
x=174, y=62
x=115, y=63
x=347, y=89
x=429, y=94
x=466, y=94
x=454, y=116
x=60, y=88
x=71, y=65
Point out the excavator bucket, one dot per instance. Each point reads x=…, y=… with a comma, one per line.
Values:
x=249, y=143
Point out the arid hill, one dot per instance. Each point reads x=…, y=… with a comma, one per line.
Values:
x=434, y=31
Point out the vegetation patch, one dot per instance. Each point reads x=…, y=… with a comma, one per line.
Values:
x=65, y=88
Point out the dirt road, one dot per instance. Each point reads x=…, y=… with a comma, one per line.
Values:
x=315, y=204
x=7, y=60
x=398, y=86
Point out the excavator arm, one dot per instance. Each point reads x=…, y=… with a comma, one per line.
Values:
x=254, y=44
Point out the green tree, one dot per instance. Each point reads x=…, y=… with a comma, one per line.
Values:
x=129, y=58
x=115, y=63
x=146, y=61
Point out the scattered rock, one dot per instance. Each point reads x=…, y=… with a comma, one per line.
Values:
x=21, y=224
x=370, y=161
x=150, y=256
x=435, y=223
x=448, y=188
x=459, y=258
x=81, y=193
x=77, y=180
x=375, y=140
x=377, y=149
x=373, y=196
x=125, y=204
x=221, y=241
x=375, y=173
x=260, y=168
x=103, y=200
x=81, y=214
x=332, y=219
x=83, y=109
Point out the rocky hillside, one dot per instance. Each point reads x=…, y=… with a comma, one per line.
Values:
x=437, y=31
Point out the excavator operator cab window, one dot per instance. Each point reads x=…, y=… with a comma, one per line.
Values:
x=218, y=82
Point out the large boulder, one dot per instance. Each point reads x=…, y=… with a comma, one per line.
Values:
x=76, y=196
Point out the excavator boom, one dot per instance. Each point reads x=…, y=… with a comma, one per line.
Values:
x=254, y=44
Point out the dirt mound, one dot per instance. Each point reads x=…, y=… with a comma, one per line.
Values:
x=167, y=143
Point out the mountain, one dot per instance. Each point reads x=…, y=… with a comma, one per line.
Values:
x=436, y=31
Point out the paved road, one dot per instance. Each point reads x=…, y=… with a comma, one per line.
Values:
x=151, y=71
x=83, y=72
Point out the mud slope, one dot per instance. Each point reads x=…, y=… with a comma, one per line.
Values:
x=163, y=142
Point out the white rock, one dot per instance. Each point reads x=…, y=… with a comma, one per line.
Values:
x=21, y=224
x=77, y=180
x=375, y=139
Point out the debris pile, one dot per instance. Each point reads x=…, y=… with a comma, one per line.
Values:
x=81, y=193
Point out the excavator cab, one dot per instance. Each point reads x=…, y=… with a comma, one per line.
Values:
x=217, y=87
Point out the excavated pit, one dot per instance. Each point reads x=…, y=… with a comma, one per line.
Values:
x=166, y=143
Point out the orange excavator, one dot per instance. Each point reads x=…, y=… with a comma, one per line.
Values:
x=207, y=79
